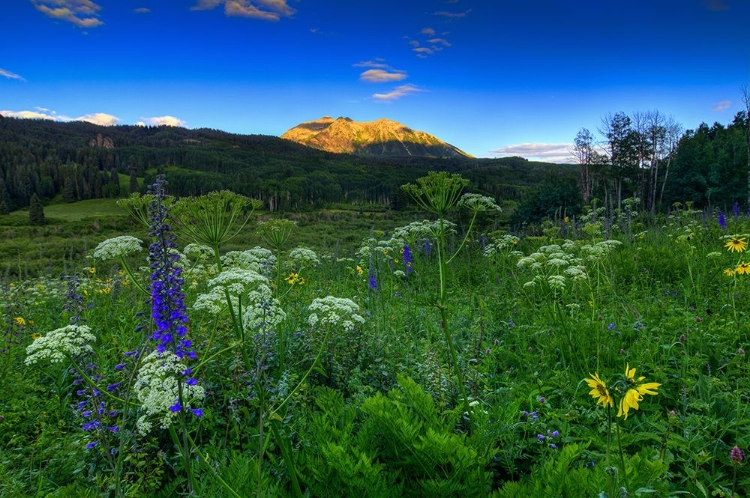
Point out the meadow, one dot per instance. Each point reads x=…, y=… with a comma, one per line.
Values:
x=203, y=351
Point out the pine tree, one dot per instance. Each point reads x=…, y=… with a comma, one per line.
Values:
x=133, y=181
x=36, y=211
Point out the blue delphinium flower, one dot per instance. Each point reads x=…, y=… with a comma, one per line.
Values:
x=736, y=209
x=372, y=280
x=722, y=220
x=167, y=299
x=408, y=259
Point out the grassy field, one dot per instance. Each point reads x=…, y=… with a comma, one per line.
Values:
x=604, y=357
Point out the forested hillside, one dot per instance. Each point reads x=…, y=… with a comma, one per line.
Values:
x=78, y=160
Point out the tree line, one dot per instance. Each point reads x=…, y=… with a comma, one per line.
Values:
x=75, y=161
x=647, y=155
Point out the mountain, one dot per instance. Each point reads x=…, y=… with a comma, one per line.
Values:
x=383, y=138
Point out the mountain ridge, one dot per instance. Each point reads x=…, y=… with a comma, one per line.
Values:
x=382, y=138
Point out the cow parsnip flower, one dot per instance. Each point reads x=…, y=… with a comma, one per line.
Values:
x=117, y=247
x=59, y=344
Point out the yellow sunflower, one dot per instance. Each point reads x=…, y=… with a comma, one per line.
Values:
x=634, y=394
x=742, y=269
x=599, y=390
x=736, y=245
x=728, y=272
x=630, y=400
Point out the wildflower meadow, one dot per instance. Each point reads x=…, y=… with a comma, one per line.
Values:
x=602, y=356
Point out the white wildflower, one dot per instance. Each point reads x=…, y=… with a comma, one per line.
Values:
x=241, y=260
x=334, y=311
x=118, y=247
x=303, y=256
x=56, y=346
x=263, y=311
x=157, y=389
x=238, y=281
x=215, y=301
x=198, y=252
x=478, y=203
x=556, y=282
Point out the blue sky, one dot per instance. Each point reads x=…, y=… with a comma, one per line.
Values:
x=492, y=77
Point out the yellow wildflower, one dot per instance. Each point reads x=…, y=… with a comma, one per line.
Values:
x=742, y=269
x=729, y=272
x=634, y=394
x=599, y=390
x=360, y=271
x=19, y=320
x=735, y=244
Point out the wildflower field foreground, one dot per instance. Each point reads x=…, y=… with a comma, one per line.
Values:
x=603, y=357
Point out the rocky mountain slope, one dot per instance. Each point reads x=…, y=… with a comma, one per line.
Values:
x=376, y=138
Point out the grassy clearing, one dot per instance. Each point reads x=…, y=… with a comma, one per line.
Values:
x=374, y=367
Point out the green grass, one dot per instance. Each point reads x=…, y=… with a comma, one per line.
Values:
x=374, y=409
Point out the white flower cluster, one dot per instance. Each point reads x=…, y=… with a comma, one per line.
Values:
x=554, y=263
x=263, y=310
x=118, y=247
x=238, y=281
x=258, y=259
x=596, y=252
x=157, y=390
x=503, y=244
x=301, y=256
x=198, y=252
x=479, y=203
x=334, y=311
x=55, y=346
x=215, y=301
x=424, y=228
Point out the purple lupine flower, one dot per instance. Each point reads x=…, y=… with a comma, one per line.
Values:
x=372, y=281
x=408, y=259
x=736, y=209
x=722, y=220
x=167, y=299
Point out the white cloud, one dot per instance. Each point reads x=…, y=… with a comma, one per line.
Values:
x=267, y=10
x=376, y=63
x=142, y=10
x=82, y=13
x=441, y=41
x=423, y=51
x=722, y=106
x=452, y=15
x=162, y=121
x=553, y=153
x=99, y=118
x=399, y=92
x=27, y=115
x=382, y=76
x=427, y=31
x=11, y=75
